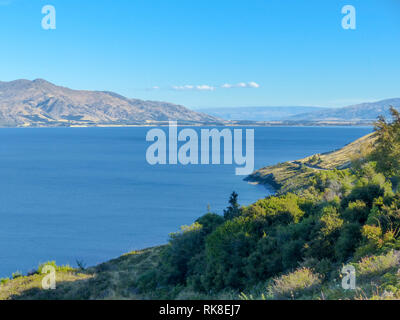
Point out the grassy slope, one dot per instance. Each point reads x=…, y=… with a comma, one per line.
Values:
x=293, y=176
x=114, y=279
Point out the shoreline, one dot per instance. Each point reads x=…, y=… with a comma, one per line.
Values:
x=337, y=125
x=268, y=183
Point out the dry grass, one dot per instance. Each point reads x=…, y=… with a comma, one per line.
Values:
x=114, y=279
x=342, y=158
x=294, y=176
x=377, y=265
x=17, y=288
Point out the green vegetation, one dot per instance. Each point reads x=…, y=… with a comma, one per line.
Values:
x=292, y=245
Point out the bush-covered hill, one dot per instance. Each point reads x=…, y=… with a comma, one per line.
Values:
x=289, y=246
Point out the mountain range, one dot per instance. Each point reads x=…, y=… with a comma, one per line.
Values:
x=25, y=103
x=41, y=103
x=364, y=112
x=259, y=113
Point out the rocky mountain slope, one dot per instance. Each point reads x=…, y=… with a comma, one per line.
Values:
x=41, y=103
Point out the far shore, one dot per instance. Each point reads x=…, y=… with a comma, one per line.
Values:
x=152, y=125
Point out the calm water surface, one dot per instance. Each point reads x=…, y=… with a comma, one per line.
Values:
x=89, y=194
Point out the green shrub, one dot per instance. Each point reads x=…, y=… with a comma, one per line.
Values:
x=210, y=222
x=377, y=265
x=330, y=220
x=347, y=242
x=183, y=246
x=64, y=268
x=264, y=261
x=357, y=212
x=17, y=274
x=284, y=209
x=290, y=286
x=226, y=251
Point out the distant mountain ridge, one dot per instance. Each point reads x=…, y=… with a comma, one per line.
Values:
x=363, y=113
x=41, y=103
x=259, y=113
x=366, y=112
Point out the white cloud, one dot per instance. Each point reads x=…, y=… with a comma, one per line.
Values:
x=253, y=85
x=226, y=86
x=206, y=87
x=241, y=85
x=203, y=87
x=153, y=88
x=185, y=87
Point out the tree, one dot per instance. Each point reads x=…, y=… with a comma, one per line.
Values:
x=387, y=151
x=233, y=210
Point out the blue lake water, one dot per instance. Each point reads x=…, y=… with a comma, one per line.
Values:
x=89, y=194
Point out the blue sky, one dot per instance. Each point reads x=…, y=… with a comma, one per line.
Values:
x=265, y=52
